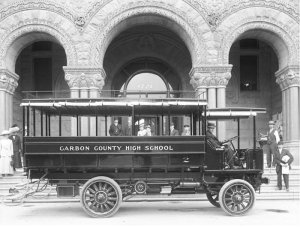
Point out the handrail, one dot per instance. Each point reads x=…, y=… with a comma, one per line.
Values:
x=115, y=94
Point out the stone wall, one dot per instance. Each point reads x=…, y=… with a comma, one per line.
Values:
x=85, y=29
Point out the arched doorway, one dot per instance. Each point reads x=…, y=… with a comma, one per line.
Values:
x=150, y=49
x=40, y=69
x=148, y=58
x=253, y=83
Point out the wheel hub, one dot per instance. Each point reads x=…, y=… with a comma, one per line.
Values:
x=237, y=198
x=140, y=187
x=101, y=197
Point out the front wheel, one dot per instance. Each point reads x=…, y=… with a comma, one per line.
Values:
x=101, y=197
x=237, y=197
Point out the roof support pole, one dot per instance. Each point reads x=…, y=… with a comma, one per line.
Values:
x=221, y=103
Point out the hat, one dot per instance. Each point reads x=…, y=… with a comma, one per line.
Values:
x=172, y=124
x=14, y=129
x=186, y=126
x=211, y=125
x=280, y=142
x=285, y=158
x=5, y=132
x=148, y=126
x=271, y=123
x=140, y=122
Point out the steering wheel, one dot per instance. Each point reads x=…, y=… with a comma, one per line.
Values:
x=228, y=140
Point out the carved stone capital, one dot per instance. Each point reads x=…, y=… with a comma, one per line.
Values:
x=208, y=76
x=288, y=77
x=8, y=81
x=85, y=78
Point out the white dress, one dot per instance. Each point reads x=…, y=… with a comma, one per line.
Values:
x=142, y=132
x=6, y=153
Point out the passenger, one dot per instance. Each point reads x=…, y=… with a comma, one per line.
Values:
x=142, y=131
x=186, y=130
x=148, y=130
x=128, y=129
x=6, y=154
x=215, y=143
x=173, y=131
x=116, y=129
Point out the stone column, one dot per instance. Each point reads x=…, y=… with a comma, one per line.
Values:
x=85, y=83
x=84, y=121
x=221, y=103
x=94, y=93
x=212, y=80
x=74, y=94
x=8, y=84
x=288, y=79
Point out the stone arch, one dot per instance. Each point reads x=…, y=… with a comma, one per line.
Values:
x=26, y=32
x=270, y=32
x=20, y=6
x=159, y=14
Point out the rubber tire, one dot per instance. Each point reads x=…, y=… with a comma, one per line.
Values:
x=229, y=184
x=212, y=201
x=116, y=188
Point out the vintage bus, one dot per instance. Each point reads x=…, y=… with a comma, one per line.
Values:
x=104, y=170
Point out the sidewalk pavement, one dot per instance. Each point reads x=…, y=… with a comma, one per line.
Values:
x=162, y=213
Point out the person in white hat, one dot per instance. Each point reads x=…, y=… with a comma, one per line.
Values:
x=6, y=154
x=15, y=138
x=142, y=131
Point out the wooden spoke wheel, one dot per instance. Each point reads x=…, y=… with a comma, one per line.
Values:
x=213, y=198
x=101, y=197
x=237, y=197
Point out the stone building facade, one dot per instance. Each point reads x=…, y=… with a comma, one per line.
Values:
x=87, y=47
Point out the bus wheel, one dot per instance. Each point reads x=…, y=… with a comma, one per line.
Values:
x=237, y=197
x=101, y=197
x=213, y=198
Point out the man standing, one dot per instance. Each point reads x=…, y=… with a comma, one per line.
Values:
x=280, y=161
x=273, y=139
x=116, y=129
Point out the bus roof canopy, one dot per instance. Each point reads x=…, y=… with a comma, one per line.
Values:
x=116, y=106
x=127, y=106
x=233, y=113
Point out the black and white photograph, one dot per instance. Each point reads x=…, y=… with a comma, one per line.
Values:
x=149, y=113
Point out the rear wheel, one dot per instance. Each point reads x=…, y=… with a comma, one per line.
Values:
x=101, y=197
x=237, y=197
x=213, y=198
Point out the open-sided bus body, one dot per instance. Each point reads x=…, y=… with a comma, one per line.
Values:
x=107, y=169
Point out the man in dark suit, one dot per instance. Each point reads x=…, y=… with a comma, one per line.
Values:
x=214, y=143
x=272, y=141
x=173, y=131
x=116, y=129
x=211, y=138
x=280, y=163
